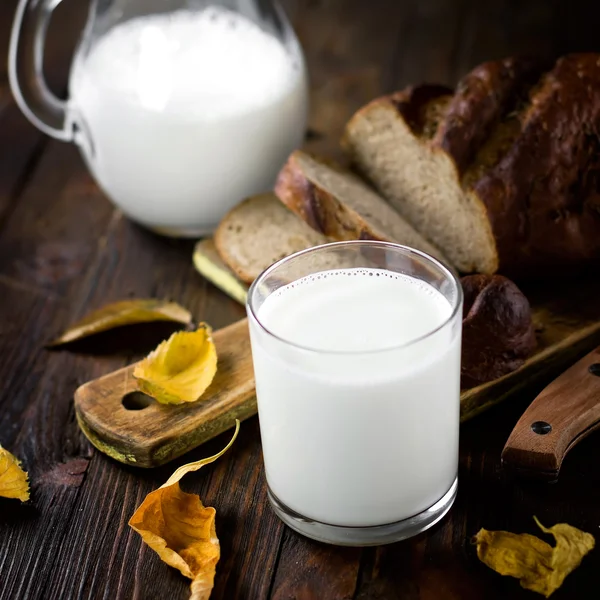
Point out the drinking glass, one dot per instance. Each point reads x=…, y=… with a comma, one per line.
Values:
x=360, y=446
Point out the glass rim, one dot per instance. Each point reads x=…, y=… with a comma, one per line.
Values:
x=448, y=272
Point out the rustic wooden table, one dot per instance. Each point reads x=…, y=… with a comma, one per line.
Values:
x=64, y=250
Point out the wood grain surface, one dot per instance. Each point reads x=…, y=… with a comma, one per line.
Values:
x=65, y=250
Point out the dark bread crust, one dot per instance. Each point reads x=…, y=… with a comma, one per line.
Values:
x=319, y=208
x=524, y=138
x=543, y=196
x=412, y=103
x=298, y=194
x=482, y=98
x=498, y=333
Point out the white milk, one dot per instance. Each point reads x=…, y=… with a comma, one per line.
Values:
x=364, y=432
x=188, y=113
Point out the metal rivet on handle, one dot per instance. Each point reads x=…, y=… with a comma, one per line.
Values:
x=541, y=427
x=594, y=369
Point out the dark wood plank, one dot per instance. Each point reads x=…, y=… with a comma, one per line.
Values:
x=427, y=43
x=66, y=24
x=575, y=26
x=250, y=532
x=442, y=563
x=64, y=251
x=21, y=144
x=348, y=45
x=136, y=263
x=311, y=570
x=20, y=149
x=504, y=28
x=7, y=9
x=58, y=225
x=49, y=244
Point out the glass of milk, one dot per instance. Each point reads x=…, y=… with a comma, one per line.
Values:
x=181, y=108
x=356, y=350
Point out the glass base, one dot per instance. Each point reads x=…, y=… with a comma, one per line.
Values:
x=365, y=536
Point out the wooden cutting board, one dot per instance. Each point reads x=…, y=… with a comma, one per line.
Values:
x=134, y=429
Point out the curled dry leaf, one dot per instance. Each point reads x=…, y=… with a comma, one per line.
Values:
x=181, y=530
x=127, y=312
x=181, y=368
x=13, y=480
x=539, y=566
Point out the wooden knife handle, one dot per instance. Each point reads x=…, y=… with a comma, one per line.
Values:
x=564, y=413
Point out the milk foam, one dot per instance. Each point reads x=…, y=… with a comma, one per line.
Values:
x=212, y=63
x=354, y=310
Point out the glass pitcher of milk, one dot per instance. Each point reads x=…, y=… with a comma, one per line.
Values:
x=181, y=108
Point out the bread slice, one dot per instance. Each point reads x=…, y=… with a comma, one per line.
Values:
x=260, y=231
x=501, y=174
x=420, y=180
x=341, y=205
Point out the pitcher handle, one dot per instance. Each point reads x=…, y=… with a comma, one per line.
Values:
x=26, y=69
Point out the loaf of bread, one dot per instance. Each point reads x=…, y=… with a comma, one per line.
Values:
x=342, y=206
x=502, y=174
x=498, y=333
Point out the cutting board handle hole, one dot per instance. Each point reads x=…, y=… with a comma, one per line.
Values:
x=136, y=401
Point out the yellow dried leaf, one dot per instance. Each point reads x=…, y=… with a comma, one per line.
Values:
x=181, y=530
x=13, y=480
x=539, y=566
x=127, y=312
x=181, y=368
